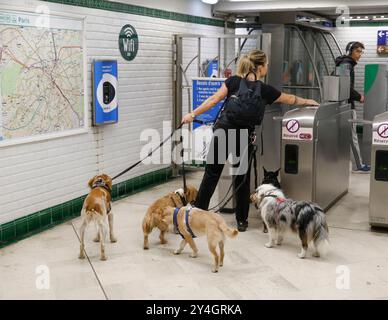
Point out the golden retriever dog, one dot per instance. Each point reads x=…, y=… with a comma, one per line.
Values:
x=97, y=207
x=154, y=214
x=197, y=222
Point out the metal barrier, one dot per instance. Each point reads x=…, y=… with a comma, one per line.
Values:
x=315, y=153
x=378, y=200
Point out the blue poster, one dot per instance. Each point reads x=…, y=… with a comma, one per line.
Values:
x=204, y=88
x=105, y=86
x=212, y=69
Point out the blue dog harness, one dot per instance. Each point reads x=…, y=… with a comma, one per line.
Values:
x=175, y=219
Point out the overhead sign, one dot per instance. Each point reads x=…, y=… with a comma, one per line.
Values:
x=128, y=42
x=105, y=86
x=382, y=41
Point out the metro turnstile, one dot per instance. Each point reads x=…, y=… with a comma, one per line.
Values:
x=376, y=102
x=378, y=196
x=315, y=153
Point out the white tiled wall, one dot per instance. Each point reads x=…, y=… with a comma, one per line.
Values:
x=39, y=175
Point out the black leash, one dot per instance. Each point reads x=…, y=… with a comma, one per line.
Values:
x=152, y=151
x=183, y=167
x=231, y=185
x=149, y=154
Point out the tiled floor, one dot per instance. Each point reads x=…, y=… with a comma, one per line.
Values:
x=251, y=271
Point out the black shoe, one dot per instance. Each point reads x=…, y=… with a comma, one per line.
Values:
x=242, y=226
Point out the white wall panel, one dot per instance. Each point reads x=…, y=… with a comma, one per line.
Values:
x=42, y=174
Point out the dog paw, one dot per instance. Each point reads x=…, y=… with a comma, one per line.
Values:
x=268, y=245
x=316, y=254
x=113, y=239
x=163, y=241
x=214, y=270
x=81, y=256
x=302, y=255
x=146, y=247
x=279, y=242
x=193, y=255
x=177, y=251
x=96, y=239
x=103, y=258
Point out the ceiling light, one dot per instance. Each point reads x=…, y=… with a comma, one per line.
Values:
x=210, y=1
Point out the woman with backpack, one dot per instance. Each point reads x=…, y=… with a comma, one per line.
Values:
x=246, y=98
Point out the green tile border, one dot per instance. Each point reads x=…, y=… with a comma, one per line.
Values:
x=37, y=222
x=143, y=11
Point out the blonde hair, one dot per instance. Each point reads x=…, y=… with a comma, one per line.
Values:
x=249, y=62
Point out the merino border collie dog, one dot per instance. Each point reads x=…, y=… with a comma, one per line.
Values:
x=281, y=214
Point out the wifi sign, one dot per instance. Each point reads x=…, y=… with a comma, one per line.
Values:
x=128, y=42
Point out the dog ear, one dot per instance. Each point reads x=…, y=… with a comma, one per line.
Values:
x=90, y=183
x=265, y=171
x=277, y=171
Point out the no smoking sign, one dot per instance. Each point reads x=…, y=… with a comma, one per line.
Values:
x=382, y=130
x=293, y=125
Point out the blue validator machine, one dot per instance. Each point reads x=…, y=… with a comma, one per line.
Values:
x=105, y=88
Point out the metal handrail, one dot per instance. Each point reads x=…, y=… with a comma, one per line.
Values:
x=321, y=53
x=311, y=59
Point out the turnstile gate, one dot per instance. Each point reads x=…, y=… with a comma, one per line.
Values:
x=378, y=200
x=315, y=153
x=376, y=102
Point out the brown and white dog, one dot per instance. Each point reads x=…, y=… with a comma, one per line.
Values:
x=97, y=207
x=154, y=214
x=199, y=222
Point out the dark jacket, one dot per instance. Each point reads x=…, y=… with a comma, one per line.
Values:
x=354, y=95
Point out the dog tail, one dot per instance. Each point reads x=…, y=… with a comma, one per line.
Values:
x=231, y=233
x=147, y=222
x=321, y=233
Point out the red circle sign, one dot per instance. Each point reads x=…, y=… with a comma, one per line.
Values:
x=382, y=130
x=293, y=125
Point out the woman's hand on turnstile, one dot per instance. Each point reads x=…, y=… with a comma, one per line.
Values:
x=311, y=102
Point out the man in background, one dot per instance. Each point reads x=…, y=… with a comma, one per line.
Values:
x=354, y=50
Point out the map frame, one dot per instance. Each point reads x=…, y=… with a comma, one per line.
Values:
x=65, y=19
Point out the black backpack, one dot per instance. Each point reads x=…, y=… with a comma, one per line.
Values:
x=245, y=109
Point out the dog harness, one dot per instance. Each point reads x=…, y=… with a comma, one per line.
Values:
x=279, y=201
x=175, y=220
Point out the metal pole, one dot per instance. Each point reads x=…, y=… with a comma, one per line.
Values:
x=177, y=87
x=219, y=58
x=199, y=72
x=311, y=59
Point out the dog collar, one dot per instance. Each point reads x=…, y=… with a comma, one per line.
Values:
x=278, y=199
x=101, y=184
